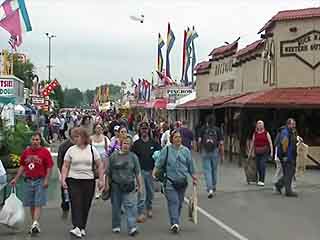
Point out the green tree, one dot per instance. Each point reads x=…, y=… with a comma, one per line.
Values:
x=114, y=92
x=24, y=71
x=58, y=97
x=73, y=97
x=88, y=97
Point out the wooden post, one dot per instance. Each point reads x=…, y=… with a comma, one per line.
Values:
x=230, y=124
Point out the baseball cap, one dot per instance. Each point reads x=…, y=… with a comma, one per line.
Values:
x=116, y=128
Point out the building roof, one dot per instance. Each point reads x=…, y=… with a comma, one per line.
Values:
x=279, y=97
x=250, y=48
x=202, y=67
x=207, y=102
x=292, y=15
x=224, y=50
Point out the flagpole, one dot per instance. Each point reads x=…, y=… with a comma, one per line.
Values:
x=11, y=62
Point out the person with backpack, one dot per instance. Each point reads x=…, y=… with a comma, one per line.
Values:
x=212, y=149
x=287, y=153
x=123, y=175
x=262, y=146
x=176, y=164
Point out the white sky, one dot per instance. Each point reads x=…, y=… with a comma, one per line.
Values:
x=97, y=43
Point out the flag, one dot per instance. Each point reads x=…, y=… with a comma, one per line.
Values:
x=14, y=19
x=160, y=58
x=13, y=42
x=165, y=80
x=194, y=60
x=184, y=54
x=170, y=42
x=139, y=89
x=191, y=36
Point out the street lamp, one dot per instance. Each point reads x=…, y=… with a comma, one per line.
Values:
x=50, y=36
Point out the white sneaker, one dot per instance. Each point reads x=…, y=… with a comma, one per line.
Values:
x=133, y=232
x=175, y=228
x=76, y=232
x=35, y=228
x=83, y=232
x=116, y=230
x=210, y=194
x=261, y=184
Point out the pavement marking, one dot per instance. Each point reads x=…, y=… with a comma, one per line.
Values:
x=219, y=223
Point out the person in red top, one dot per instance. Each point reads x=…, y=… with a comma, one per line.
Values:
x=263, y=148
x=36, y=165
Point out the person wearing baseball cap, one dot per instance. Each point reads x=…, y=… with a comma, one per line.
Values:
x=144, y=148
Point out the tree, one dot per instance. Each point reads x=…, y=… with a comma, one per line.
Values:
x=114, y=92
x=73, y=97
x=88, y=97
x=24, y=71
x=58, y=97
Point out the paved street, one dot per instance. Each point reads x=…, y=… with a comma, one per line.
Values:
x=238, y=211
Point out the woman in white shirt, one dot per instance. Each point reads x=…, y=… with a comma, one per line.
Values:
x=78, y=176
x=101, y=143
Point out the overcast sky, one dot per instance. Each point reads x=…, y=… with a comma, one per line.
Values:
x=97, y=42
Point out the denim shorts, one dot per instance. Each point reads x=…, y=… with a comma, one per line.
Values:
x=35, y=195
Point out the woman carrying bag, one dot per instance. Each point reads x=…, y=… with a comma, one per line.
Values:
x=78, y=176
x=123, y=174
x=176, y=161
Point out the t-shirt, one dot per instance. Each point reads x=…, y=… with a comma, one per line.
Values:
x=123, y=168
x=81, y=161
x=36, y=162
x=144, y=151
x=187, y=137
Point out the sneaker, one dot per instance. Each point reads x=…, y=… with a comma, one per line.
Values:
x=175, y=228
x=141, y=218
x=133, y=232
x=278, y=189
x=83, y=232
x=149, y=213
x=35, y=228
x=76, y=232
x=261, y=184
x=210, y=194
x=116, y=230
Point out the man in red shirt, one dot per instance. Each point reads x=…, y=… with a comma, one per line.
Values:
x=36, y=164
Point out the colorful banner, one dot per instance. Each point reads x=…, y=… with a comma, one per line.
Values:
x=170, y=42
x=160, y=57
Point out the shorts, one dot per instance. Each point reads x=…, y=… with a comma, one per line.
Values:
x=35, y=195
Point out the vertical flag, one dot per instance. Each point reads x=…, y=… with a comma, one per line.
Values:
x=170, y=42
x=184, y=54
x=194, y=36
x=160, y=58
x=188, y=55
x=139, y=89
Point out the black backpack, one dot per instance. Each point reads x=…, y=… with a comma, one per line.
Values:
x=210, y=139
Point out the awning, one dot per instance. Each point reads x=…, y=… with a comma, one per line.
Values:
x=279, y=98
x=7, y=100
x=207, y=103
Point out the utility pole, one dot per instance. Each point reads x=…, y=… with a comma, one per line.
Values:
x=50, y=36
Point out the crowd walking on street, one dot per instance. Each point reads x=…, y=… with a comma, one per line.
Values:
x=98, y=158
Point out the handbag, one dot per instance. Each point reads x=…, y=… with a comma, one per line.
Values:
x=94, y=166
x=179, y=184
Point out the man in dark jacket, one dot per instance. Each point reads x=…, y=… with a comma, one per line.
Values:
x=144, y=148
x=63, y=148
x=287, y=153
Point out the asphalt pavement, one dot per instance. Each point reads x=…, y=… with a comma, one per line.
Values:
x=237, y=212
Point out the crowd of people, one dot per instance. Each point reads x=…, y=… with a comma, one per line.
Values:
x=110, y=156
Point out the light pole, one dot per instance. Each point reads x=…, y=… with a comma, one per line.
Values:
x=50, y=36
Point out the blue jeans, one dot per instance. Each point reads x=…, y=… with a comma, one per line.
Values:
x=129, y=202
x=210, y=164
x=261, y=160
x=145, y=198
x=35, y=195
x=175, y=201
